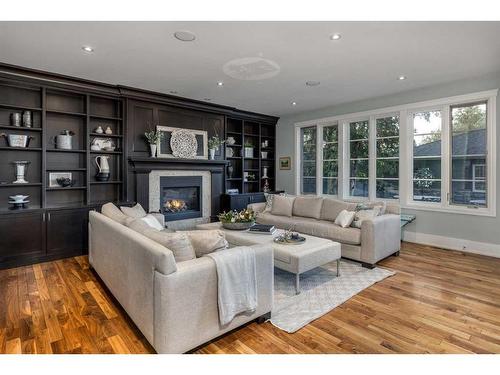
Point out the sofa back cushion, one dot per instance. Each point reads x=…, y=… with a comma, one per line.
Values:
x=307, y=207
x=282, y=205
x=136, y=212
x=114, y=213
x=332, y=207
x=177, y=242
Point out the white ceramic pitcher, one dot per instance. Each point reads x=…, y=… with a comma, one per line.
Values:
x=102, y=163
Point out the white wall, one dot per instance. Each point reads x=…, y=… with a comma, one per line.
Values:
x=430, y=227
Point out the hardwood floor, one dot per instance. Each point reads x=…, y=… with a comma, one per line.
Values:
x=439, y=301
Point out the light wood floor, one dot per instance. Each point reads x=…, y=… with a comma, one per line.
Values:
x=438, y=302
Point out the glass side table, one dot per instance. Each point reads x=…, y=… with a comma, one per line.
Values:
x=405, y=220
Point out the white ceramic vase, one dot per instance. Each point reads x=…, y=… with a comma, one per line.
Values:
x=152, y=147
x=212, y=153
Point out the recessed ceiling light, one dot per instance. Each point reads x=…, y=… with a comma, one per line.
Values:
x=184, y=36
x=88, y=49
x=294, y=103
x=312, y=83
x=220, y=83
x=401, y=78
x=336, y=36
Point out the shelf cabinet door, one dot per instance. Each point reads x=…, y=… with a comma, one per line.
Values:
x=21, y=236
x=67, y=232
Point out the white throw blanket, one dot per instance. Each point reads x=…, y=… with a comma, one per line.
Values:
x=237, y=282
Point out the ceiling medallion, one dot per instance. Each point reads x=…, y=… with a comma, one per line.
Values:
x=183, y=144
x=251, y=68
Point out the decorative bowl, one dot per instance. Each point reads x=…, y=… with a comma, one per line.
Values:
x=237, y=225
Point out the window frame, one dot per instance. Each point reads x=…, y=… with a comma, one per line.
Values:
x=406, y=152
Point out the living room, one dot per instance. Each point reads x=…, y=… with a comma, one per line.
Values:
x=330, y=185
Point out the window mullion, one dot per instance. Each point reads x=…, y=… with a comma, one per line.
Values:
x=445, y=156
x=372, y=163
x=319, y=159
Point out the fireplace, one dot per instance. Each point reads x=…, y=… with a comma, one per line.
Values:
x=181, y=197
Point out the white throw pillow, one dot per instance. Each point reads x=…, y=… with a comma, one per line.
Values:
x=137, y=211
x=345, y=218
x=151, y=221
x=365, y=215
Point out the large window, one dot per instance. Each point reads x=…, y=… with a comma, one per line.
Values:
x=387, y=154
x=433, y=155
x=330, y=159
x=308, y=160
x=427, y=128
x=468, y=154
x=358, y=158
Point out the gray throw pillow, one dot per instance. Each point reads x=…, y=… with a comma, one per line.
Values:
x=137, y=211
x=282, y=205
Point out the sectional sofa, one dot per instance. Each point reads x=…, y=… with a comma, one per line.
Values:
x=376, y=239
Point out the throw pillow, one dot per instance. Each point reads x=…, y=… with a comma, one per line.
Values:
x=151, y=221
x=207, y=241
x=364, y=215
x=282, y=205
x=345, y=218
x=114, y=213
x=381, y=205
x=137, y=211
x=269, y=202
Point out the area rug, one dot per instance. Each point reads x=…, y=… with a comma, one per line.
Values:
x=321, y=292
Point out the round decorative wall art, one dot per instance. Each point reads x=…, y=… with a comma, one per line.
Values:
x=184, y=144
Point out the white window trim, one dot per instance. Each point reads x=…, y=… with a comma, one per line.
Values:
x=405, y=164
x=474, y=179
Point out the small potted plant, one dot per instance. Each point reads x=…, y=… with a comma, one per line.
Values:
x=248, y=149
x=153, y=137
x=213, y=145
x=235, y=220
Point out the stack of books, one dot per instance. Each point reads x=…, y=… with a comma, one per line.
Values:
x=262, y=229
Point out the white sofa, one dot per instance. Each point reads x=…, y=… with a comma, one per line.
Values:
x=377, y=238
x=174, y=304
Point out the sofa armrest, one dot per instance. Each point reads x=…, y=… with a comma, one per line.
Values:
x=380, y=237
x=186, y=309
x=257, y=207
x=160, y=217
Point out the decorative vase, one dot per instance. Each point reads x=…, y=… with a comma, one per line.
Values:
x=21, y=167
x=152, y=148
x=15, y=119
x=27, y=119
x=230, y=141
x=230, y=170
x=212, y=153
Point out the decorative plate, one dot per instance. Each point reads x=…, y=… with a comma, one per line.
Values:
x=184, y=144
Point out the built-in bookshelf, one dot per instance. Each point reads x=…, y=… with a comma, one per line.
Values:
x=52, y=112
x=248, y=167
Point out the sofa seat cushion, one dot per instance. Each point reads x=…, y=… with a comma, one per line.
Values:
x=326, y=229
x=332, y=207
x=281, y=222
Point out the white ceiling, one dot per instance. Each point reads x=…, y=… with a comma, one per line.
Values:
x=364, y=63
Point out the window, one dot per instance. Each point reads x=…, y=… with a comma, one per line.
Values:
x=330, y=159
x=436, y=155
x=387, y=157
x=308, y=160
x=358, y=158
x=427, y=127
x=468, y=154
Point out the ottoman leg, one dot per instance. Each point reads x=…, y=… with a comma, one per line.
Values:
x=338, y=267
x=297, y=283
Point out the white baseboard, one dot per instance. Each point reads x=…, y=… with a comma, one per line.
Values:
x=482, y=248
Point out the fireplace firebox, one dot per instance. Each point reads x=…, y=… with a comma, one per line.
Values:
x=181, y=197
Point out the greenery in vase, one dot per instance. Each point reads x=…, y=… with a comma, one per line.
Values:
x=153, y=136
x=214, y=143
x=248, y=144
x=244, y=216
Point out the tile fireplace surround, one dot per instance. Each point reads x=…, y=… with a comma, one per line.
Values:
x=154, y=196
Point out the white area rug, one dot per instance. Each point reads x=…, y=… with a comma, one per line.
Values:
x=321, y=292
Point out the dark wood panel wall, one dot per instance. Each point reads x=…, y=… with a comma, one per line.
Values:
x=61, y=231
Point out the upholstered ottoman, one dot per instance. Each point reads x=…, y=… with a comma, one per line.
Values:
x=314, y=252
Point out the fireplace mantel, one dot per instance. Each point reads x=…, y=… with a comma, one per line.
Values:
x=142, y=166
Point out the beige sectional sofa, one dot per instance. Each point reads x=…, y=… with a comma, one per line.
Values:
x=174, y=304
x=377, y=238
